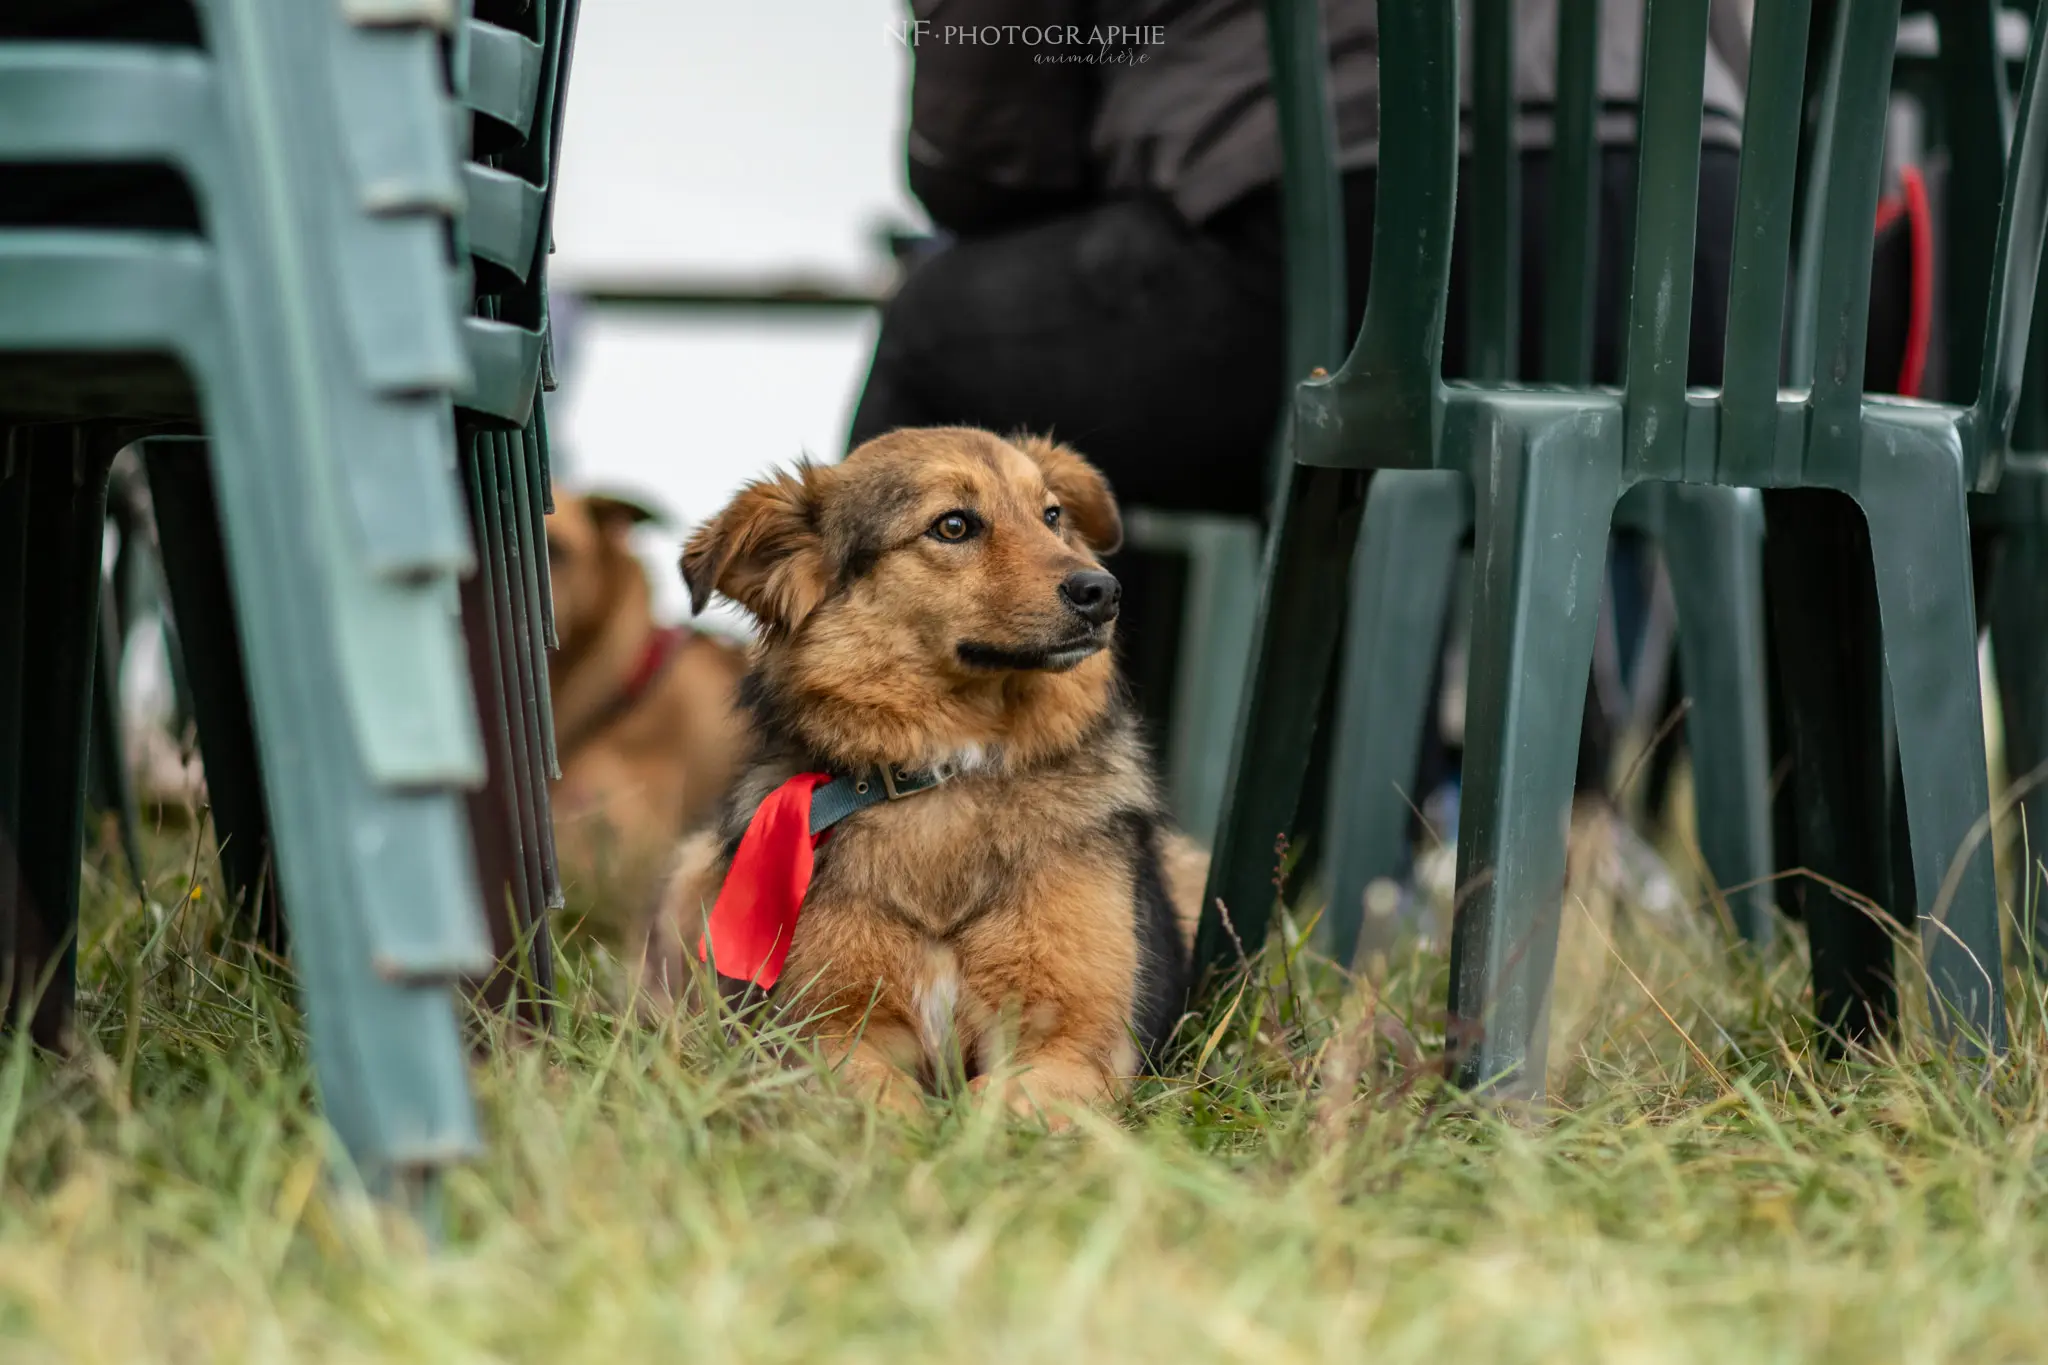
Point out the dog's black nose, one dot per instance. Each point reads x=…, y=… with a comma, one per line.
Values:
x=1093, y=595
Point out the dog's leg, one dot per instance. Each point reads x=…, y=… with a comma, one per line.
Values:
x=1065, y=971
x=1049, y=1082
x=1185, y=866
x=664, y=942
x=871, y=1067
x=663, y=976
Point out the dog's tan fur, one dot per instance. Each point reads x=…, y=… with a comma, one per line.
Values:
x=1019, y=919
x=637, y=774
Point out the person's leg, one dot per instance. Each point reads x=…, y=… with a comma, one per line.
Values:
x=1145, y=342
x=1713, y=263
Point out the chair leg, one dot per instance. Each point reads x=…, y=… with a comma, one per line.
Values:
x=1215, y=638
x=1543, y=501
x=1822, y=602
x=1400, y=592
x=109, y=753
x=382, y=898
x=491, y=826
x=536, y=638
x=1301, y=608
x=519, y=852
x=2018, y=612
x=67, y=486
x=1919, y=524
x=1713, y=546
x=16, y=444
x=209, y=642
x=507, y=854
x=515, y=642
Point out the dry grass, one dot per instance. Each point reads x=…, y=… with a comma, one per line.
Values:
x=1706, y=1188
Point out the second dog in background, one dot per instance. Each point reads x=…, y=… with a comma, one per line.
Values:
x=645, y=725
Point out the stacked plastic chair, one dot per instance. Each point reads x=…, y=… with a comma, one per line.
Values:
x=1223, y=553
x=1546, y=468
x=516, y=61
x=2012, y=529
x=232, y=221
x=2010, y=523
x=1415, y=522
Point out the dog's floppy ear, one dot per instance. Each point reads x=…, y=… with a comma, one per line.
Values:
x=1082, y=491
x=617, y=513
x=764, y=551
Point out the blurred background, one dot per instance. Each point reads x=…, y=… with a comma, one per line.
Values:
x=715, y=155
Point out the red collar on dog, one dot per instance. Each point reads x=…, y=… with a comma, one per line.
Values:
x=663, y=644
x=653, y=662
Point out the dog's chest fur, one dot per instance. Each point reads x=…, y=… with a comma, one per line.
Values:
x=979, y=846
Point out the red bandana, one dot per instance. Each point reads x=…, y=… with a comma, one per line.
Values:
x=754, y=917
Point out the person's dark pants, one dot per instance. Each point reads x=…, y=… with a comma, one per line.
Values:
x=1156, y=347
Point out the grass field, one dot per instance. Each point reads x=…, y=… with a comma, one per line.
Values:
x=1705, y=1189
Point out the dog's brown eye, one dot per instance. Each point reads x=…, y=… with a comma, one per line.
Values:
x=954, y=526
x=1052, y=517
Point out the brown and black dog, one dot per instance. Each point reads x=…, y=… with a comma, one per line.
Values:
x=645, y=720
x=934, y=605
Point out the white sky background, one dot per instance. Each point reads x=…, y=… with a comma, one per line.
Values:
x=722, y=143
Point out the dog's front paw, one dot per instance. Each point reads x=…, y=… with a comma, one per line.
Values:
x=1047, y=1092
x=1015, y=1096
x=873, y=1077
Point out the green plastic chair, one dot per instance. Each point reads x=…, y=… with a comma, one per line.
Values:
x=511, y=81
x=517, y=81
x=1218, y=611
x=2010, y=524
x=1417, y=522
x=1963, y=85
x=2014, y=523
x=1547, y=467
x=299, y=316
x=1214, y=637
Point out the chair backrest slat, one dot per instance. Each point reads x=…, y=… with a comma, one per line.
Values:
x=1832, y=313
x=2016, y=259
x=1667, y=212
x=1401, y=342
x=1493, y=191
x=1976, y=116
x=2030, y=424
x=1570, y=293
x=1753, y=351
x=1312, y=209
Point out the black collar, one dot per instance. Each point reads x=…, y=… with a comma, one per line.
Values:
x=846, y=795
